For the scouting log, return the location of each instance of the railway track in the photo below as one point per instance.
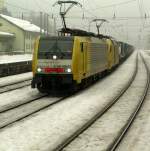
(18, 112)
(72, 137)
(14, 86)
(22, 111)
(6, 117)
(11, 106)
(126, 127)
(7, 127)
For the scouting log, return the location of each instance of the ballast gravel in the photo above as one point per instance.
(46, 129)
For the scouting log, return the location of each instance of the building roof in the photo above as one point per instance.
(6, 34)
(23, 24)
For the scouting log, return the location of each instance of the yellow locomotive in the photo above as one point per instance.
(72, 61)
(74, 58)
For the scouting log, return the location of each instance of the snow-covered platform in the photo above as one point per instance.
(15, 64)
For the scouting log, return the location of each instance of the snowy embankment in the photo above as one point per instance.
(103, 132)
(5, 59)
(138, 137)
(15, 78)
(46, 129)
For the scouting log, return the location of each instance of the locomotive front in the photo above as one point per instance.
(52, 63)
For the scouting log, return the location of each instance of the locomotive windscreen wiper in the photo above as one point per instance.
(55, 47)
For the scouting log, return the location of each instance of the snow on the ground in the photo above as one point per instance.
(48, 128)
(19, 96)
(4, 59)
(22, 111)
(15, 78)
(138, 137)
(102, 133)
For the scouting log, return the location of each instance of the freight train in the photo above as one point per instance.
(74, 59)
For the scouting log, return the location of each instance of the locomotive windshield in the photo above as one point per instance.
(60, 46)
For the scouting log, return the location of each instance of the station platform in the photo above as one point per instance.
(15, 64)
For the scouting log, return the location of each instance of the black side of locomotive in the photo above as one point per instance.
(126, 50)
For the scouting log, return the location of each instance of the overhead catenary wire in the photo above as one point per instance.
(109, 18)
(90, 10)
(113, 5)
(84, 10)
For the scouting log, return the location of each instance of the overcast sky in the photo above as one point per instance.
(131, 8)
(127, 27)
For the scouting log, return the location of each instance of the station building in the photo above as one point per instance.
(17, 35)
(6, 42)
(1, 5)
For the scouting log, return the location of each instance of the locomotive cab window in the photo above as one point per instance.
(62, 47)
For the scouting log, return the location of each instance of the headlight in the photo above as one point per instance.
(39, 69)
(68, 70)
(54, 57)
